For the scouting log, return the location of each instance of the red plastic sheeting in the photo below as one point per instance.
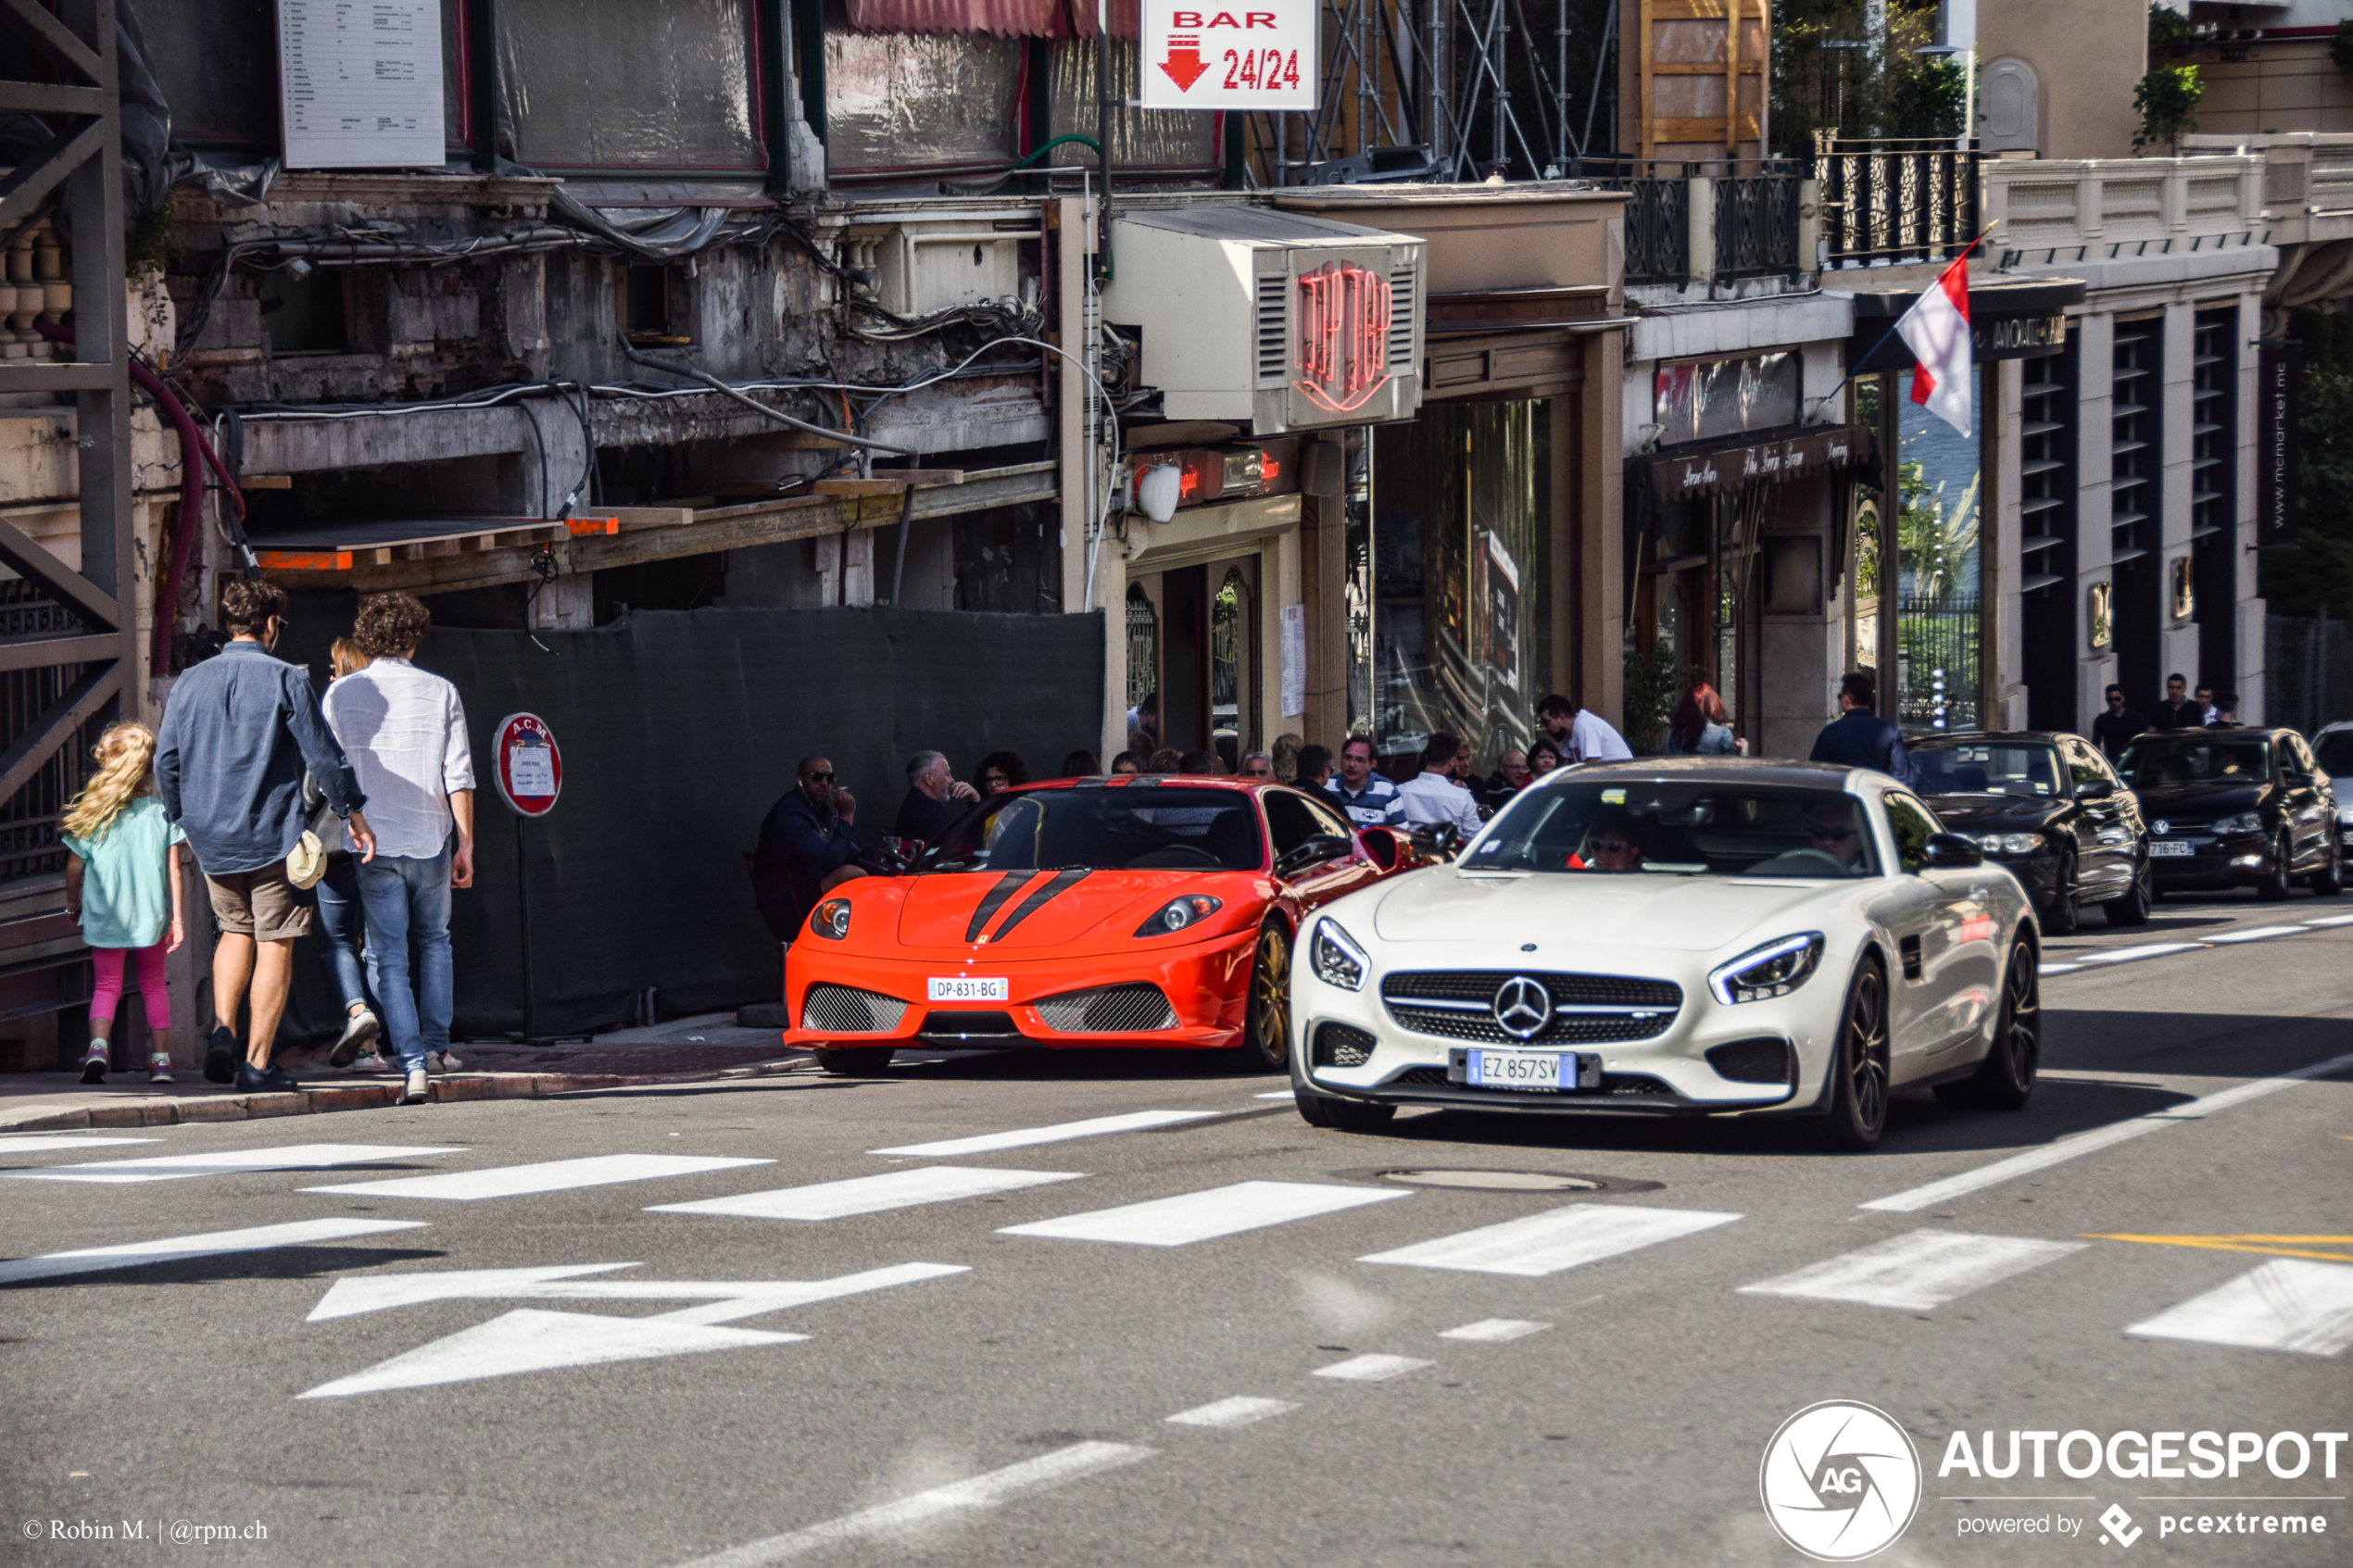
(1006, 18)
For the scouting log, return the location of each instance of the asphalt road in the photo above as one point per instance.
(657, 1391)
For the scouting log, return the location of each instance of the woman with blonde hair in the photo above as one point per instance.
(123, 885)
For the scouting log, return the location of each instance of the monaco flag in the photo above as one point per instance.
(1936, 329)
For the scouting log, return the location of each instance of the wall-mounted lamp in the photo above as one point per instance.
(1158, 491)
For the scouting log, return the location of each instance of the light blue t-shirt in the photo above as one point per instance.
(126, 890)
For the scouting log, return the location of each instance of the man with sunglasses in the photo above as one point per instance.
(1834, 830)
(808, 847)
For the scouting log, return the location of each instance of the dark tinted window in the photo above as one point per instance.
(2025, 767)
(1912, 823)
(2195, 757)
(2335, 752)
(1125, 829)
(1688, 829)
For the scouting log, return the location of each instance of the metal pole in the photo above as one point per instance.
(899, 567)
(523, 909)
(1560, 85)
(1440, 145)
(1102, 144)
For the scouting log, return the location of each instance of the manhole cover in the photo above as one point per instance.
(1498, 1180)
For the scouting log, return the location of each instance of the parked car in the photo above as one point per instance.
(2240, 807)
(1680, 936)
(1133, 912)
(2332, 748)
(2046, 806)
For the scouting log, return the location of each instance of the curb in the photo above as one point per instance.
(166, 1112)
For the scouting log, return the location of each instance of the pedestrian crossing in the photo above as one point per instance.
(871, 1194)
(239, 1161)
(1917, 1272)
(552, 1175)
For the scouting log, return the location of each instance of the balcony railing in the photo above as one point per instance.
(1756, 223)
(1891, 202)
(2056, 210)
(1698, 222)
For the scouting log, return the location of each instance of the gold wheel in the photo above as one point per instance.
(1268, 1034)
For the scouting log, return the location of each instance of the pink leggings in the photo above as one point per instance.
(105, 995)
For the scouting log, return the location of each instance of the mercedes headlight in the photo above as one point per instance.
(1335, 958)
(831, 919)
(2010, 843)
(2246, 821)
(1774, 969)
(1179, 913)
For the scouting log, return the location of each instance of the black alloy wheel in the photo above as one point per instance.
(1344, 1115)
(1267, 1030)
(2066, 912)
(854, 1061)
(2329, 881)
(1859, 1065)
(2278, 877)
(2133, 908)
(2005, 1078)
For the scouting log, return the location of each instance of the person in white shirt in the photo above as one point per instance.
(1437, 794)
(405, 731)
(1581, 734)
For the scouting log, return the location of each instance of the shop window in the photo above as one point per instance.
(621, 85)
(1143, 658)
(1229, 671)
(1709, 398)
(306, 315)
(1141, 140)
(654, 306)
(1940, 636)
(898, 101)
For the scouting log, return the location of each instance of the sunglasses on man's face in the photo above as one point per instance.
(818, 778)
(1834, 835)
(1612, 847)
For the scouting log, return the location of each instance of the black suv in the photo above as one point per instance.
(2237, 807)
(2047, 808)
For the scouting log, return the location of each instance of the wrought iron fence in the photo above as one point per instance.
(1757, 224)
(29, 820)
(1937, 663)
(1895, 201)
(1658, 215)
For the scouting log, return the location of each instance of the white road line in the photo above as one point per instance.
(1279, 1094)
(36, 1143)
(1062, 1132)
(2146, 950)
(1558, 1238)
(1201, 1216)
(554, 1176)
(2258, 933)
(172, 1249)
(2057, 968)
(179, 1167)
(2331, 920)
(1916, 1273)
(530, 1340)
(1240, 1410)
(2288, 1304)
(1059, 1468)
(870, 1195)
(1495, 1331)
(2096, 1139)
(1371, 1369)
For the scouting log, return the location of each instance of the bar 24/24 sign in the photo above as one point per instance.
(1253, 55)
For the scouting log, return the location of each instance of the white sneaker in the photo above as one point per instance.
(420, 1088)
(443, 1061)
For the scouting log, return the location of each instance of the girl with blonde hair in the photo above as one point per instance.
(122, 883)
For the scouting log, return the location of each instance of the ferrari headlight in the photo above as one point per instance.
(1774, 969)
(1335, 958)
(1178, 913)
(2010, 843)
(831, 919)
(2246, 821)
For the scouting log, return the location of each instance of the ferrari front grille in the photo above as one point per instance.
(1339, 1044)
(842, 1010)
(1109, 1009)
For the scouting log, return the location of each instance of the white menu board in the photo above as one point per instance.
(359, 84)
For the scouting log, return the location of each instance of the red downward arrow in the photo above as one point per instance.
(1184, 65)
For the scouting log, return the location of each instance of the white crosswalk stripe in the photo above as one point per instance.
(1916, 1272)
(1240, 1410)
(870, 1195)
(178, 1249)
(2257, 933)
(1060, 1132)
(2287, 1304)
(43, 1143)
(1558, 1238)
(2133, 955)
(180, 1167)
(1201, 1216)
(1371, 1369)
(554, 1176)
(1495, 1331)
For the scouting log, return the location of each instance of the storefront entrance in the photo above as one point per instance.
(1696, 604)
(1194, 657)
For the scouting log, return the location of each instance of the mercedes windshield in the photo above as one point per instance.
(1679, 828)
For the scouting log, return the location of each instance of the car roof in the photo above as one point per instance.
(1981, 737)
(1155, 780)
(1755, 771)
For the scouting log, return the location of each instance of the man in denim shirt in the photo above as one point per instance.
(238, 731)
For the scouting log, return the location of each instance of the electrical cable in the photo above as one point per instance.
(852, 438)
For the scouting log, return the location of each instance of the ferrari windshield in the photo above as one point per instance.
(2198, 757)
(1129, 828)
(1960, 767)
(1679, 828)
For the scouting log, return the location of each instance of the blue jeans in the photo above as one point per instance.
(405, 898)
(339, 923)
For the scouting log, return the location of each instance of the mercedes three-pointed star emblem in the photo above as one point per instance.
(1522, 1007)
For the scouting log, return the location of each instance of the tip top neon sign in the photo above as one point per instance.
(1344, 337)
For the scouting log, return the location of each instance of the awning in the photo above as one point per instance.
(1005, 19)
(1737, 464)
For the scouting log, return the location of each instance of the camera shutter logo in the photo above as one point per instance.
(1839, 1481)
(1522, 1007)
(2119, 1525)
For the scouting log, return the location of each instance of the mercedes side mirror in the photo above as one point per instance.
(1951, 852)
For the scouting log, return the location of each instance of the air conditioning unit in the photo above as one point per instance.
(1277, 319)
(924, 257)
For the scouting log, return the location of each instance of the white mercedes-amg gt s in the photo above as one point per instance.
(1684, 935)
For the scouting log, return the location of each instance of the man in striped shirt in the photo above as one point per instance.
(1371, 800)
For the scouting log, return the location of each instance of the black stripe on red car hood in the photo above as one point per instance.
(1063, 881)
(994, 900)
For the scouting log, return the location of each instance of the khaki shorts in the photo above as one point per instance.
(262, 905)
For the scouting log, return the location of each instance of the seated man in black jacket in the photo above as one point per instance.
(807, 848)
(935, 797)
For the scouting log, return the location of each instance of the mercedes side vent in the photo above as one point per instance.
(1287, 321)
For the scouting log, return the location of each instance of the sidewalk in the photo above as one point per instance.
(709, 1047)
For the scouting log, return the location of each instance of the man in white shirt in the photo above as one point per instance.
(405, 731)
(1581, 734)
(1437, 794)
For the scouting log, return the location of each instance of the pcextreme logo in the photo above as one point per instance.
(1839, 1481)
